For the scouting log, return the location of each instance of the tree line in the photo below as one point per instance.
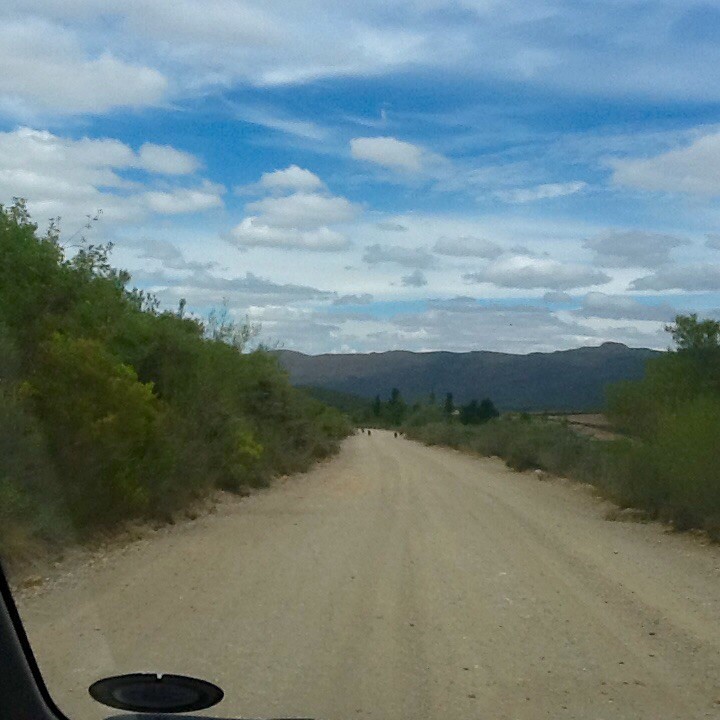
(396, 412)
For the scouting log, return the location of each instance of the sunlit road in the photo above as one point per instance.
(398, 581)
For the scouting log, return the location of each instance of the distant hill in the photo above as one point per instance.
(564, 380)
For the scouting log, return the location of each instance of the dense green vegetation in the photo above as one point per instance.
(669, 465)
(112, 409)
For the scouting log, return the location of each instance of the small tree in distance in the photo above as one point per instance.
(475, 413)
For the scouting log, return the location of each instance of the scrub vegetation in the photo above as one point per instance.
(668, 463)
(112, 409)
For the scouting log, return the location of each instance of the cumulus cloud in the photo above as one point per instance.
(303, 210)
(293, 216)
(622, 307)
(254, 232)
(541, 192)
(416, 257)
(43, 67)
(388, 152)
(69, 178)
(529, 273)
(467, 247)
(291, 178)
(697, 276)
(166, 160)
(690, 169)
(415, 279)
(185, 200)
(633, 248)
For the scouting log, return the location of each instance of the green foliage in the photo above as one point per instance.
(475, 413)
(110, 408)
(102, 426)
(689, 333)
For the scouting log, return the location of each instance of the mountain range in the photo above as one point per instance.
(565, 380)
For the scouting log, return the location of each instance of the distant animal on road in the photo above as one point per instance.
(369, 433)
(395, 434)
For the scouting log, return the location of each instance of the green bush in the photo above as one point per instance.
(675, 476)
(112, 409)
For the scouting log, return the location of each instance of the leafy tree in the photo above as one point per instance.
(488, 411)
(670, 379)
(475, 413)
(692, 334)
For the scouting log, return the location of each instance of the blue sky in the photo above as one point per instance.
(356, 176)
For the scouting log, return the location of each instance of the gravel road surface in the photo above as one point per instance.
(399, 582)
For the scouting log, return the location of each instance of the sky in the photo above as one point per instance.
(367, 176)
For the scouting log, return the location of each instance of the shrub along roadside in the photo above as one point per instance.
(674, 478)
(111, 409)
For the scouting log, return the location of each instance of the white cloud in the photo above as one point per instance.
(681, 277)
(166, 160)
(467, 247)
(291, 178)
(541, 192)
(201, 287)
(70, 178)
(633, 248)
(303, 210)
(167, 254)
(299, 220)
(253, 232)
(690, 169)
(622, 307)
(388, 152)
(185, 200)
(406, 257)
(201, 44)
(415, 279)
(43, 67)
(528, 273)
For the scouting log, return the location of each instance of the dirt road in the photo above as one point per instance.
(398, 581)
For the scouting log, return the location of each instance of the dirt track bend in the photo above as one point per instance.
(399, 581)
